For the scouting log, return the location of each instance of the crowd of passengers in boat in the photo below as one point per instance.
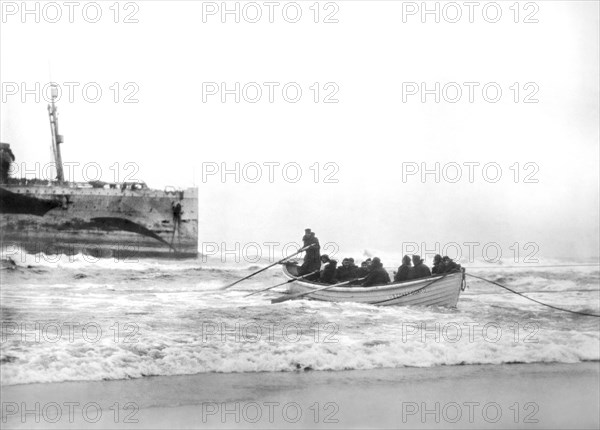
(321, 268)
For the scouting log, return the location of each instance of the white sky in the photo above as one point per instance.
(369, 133)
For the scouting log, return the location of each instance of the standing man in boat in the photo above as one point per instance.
(420, 269)
(312, 260)
(377, 274)
(404, 270)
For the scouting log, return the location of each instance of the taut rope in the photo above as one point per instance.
(534, 300)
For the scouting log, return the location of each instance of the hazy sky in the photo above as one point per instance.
(368, 134)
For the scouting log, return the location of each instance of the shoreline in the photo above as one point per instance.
(540, 395)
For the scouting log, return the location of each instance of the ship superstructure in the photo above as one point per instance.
(98, 218)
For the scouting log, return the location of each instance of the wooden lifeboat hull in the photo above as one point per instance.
(442, 290)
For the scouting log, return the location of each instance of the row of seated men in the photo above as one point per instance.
(371, 271)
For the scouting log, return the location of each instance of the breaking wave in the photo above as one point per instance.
(73, 320)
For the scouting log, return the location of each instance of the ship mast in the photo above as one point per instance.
(57, 139)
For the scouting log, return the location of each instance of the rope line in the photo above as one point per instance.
(534, 300)
(536, 267)
(526, 267)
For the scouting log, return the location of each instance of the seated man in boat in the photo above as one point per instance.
(347, 271)
(327, 275)
(419, 269)
(449, 265)
(364, 268)
(343, 272)
(438, 265)
(312, 260)
(352, 268)
(377, 274)
(403, 271)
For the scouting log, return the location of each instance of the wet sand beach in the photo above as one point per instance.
(474, 396)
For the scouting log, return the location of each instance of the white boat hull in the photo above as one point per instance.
(441, 290)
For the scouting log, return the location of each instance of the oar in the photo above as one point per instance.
(283, 283)
(269, 266)
(297, 296)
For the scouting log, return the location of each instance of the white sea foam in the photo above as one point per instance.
(183, 324)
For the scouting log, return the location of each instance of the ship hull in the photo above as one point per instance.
(69, 219)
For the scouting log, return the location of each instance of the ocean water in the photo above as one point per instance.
(72, 319)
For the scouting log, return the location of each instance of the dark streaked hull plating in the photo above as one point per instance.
(73, 218)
